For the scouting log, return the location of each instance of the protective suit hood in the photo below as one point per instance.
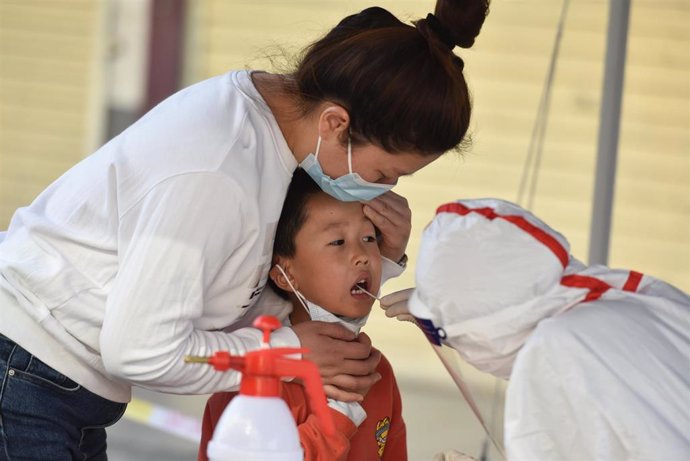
(489, 271)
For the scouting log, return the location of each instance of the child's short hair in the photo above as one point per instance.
(292, 218)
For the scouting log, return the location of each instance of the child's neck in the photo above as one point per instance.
(298, 314)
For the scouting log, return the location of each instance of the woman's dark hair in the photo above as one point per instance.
(402, 85)
(292, 218)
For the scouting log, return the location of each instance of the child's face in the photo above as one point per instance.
(336, 249)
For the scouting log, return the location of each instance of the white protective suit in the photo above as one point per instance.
(598, 359)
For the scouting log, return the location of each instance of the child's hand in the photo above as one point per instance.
(347, 363)
(391, 214)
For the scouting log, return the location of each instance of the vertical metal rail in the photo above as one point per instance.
(609, 129)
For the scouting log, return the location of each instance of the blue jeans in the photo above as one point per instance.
(44, 415)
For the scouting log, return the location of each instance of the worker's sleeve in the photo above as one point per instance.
(172, 244)
(215, 406)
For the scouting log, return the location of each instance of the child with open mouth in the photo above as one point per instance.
(327, 267)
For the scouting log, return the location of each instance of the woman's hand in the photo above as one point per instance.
(347, 364)
(353, 388)
(391, 214)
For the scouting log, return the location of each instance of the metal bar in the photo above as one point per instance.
(609, 129)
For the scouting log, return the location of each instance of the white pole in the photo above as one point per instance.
(609, 127)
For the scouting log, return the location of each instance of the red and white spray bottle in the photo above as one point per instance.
(257, 424)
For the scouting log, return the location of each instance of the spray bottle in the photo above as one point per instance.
(257, 424)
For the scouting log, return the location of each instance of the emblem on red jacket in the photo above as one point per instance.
(382, 428)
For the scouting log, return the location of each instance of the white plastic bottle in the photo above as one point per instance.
(255, 429)
(257, 424)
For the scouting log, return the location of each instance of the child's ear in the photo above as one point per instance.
(278, 276)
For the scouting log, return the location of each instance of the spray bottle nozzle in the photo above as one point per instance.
(196, 359)
(221, 361)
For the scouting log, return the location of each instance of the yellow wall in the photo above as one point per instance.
(50, 109)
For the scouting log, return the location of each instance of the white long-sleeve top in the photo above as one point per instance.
(141, 252)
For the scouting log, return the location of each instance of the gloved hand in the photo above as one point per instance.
(453, 455)
(395, 305)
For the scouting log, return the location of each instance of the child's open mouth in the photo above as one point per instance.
(361, 290)
(360, 287)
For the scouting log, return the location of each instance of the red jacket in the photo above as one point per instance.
(381, 436)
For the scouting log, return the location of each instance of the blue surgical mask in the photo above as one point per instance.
(347, 188)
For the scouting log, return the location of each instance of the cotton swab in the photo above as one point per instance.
(364, 290)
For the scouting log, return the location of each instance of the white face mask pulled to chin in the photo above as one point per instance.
(320, 314)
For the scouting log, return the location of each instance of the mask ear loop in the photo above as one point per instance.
(349, 153)
(316, 154)
(300, 298)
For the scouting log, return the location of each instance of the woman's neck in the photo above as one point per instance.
(300, 131)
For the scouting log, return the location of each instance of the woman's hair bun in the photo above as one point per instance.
(371, 18)
(462, 19)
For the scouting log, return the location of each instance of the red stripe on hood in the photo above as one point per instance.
(633, 281)
(489, 213)
(595, 286)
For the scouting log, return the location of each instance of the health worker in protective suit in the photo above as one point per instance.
(598, 359)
